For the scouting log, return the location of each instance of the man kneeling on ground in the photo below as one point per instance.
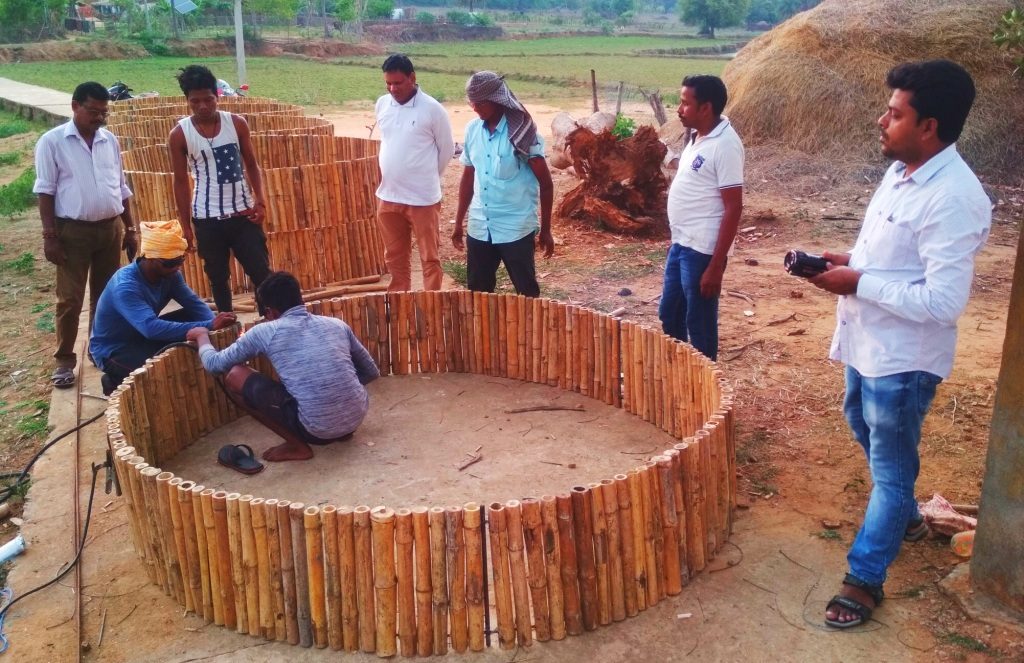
(128, 328)
(321, 363)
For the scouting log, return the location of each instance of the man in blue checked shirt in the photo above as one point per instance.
(504, 175)
(901, 290)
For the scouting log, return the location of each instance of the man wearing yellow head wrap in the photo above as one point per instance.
(128, 328)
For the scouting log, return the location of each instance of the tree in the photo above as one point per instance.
(711, 14)
(1010, 35)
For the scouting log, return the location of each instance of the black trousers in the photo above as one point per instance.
(483, 258)
(217, 239)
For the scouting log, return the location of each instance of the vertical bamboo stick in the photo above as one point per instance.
(424, 590)
(288, 580)
(179, 541)
(266, 605)
(279, 628)
(651, 474)
(604, 599)
(438, 579)
(583, 524)
(202, 550)
(695, 532)
(385, 579)
(212, 554)
(670, 524)
(502, 581)
(237, 568)
(175, 586)
(223, 556)
(349, 583)
(680, 506)
(651, 576)
(474, 574)
(364, 579)
(315, 573)
(455, 545)
(627, 540)
(552, 556)
(332, 575)
(611, 514)
(569, 567)
(250, 564)
(520, 584)
(301, 566)
(405, 572)
(533, 531)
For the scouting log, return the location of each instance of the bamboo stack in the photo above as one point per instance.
(415, 581)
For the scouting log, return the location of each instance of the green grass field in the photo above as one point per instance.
(547, 68)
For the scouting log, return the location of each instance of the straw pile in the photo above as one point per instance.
(816, 83)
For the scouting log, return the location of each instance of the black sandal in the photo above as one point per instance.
(916, 531)
(239, 457)
(862, 611)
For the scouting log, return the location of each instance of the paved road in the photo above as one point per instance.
(36, 101)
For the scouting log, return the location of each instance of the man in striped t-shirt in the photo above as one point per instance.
(226, 210)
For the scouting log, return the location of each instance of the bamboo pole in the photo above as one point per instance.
(349, 584)
(364, 579)
(569, 568)
(266, 605)
(650, 574)
(628, 541)
(520, 584)
(611, 515)
(202, 550)
(332, 575)
(288, 581)
(315, 573)
(237, 569)
(301, 567)
(533, 532)
(552, 566)
(279, 626)
(424, 590)
(475, 571)
(213, 554)
(438, 579)
(405, 572)
(680, 506)
(651, 475)
(455, 545)
(695, 532)
(582, 514)
(385, 579)
(604, 598)
(179, 542)
(223, 556)
(670, 525)
(169, 551)
(502, 581)
(250, 564)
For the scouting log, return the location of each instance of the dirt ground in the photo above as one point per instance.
(798, 464)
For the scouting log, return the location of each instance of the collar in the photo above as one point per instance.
(409, 104)
(500, 127)
(295, 311)
(719, 128)
(930, 167)
(71, 129)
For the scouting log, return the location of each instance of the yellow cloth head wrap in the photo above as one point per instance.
(162, 239)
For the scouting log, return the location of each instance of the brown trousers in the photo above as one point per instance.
(93, 254)
(398, 223)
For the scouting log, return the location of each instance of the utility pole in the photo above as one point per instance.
(239, 43)
(174, 18)
(996, 568)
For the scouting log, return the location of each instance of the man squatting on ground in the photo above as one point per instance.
(321, 363)
(704, 206)
(902, 288)
(227, 212)
(503, 172)
(129, 328)
(415, 147)
(82, 191)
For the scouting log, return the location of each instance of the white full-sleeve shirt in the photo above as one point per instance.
(916, 254)
(416, 146)
(87, 184)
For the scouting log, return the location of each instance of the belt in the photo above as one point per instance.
(233, 215)
(62, 218)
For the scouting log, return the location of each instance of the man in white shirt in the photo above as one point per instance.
(902, 288)
(704, 206)
(82, 192)
(416, 146)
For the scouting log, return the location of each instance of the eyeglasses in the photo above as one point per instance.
(171, 263)
(96, 112)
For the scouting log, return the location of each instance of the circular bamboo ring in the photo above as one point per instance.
(417, 581)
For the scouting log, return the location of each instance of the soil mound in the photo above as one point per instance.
(332, 49)
(816, 83)
(71, 49)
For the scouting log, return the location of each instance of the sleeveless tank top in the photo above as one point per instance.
(217, 170)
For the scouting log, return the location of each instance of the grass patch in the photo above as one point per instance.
(17, 196)
(551, 292)
(456, 269)
(9, 158)
(18, 490)
(14, 126)
(45, 323)
(579, 45)
(829, 535)
(965, 642)
(23, 264)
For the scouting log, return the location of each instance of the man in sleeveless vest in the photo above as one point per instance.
(225, 206)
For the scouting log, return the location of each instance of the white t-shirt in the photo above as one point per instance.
(695, 207)
(415, 147)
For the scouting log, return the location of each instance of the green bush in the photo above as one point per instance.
(17, 196)
(469, 19)
(379, 8)
(624, 127)
(23, 264)
(10, 158)
(425, 17)
(14, 127)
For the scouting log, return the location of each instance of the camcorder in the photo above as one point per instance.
(804, 265)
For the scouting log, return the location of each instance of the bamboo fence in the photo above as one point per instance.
(420, 581)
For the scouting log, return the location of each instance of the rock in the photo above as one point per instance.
(752, 262)
(599, 121)
(831, 524)
(625, 292)
(796, 294)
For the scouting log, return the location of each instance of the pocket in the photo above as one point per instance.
(508, 167)
(927, 384)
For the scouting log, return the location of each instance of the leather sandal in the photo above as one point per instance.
(916, 531)
(239, 457)
(862, 611)
(63, 378)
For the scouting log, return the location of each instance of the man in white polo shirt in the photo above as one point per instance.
(82, 191)
(902, 288)
(704, 206)
(416, 146)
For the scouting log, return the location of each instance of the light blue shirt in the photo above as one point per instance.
(505, 190)
(916, 254)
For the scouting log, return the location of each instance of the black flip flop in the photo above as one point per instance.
(239, 457)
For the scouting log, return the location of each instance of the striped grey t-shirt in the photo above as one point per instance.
(319, 361)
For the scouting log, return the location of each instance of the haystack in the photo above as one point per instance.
(816, 83)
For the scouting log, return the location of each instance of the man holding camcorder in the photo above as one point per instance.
(902, 288)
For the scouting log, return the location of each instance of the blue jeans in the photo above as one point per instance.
(885, 415)
(684, 314)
